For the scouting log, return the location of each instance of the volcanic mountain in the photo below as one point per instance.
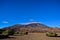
(31, 27)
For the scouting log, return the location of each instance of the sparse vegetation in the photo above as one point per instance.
(11, 32)
(51, 34)
(34, 36)
(6, 33)
(24, 33)
(34, 33)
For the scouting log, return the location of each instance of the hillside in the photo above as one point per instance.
(32, 27)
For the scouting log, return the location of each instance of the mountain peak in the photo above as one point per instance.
(30, 23)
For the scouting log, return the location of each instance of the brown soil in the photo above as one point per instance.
(33, 36)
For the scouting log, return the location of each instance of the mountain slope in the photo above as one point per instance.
(32, 27)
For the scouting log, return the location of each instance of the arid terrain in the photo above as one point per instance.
(33, 36)
(36, 31)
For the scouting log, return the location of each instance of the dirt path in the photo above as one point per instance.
(35, 36)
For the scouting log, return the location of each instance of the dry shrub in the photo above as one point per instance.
(24, 33)
(51, 34)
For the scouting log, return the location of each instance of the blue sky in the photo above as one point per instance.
(25, 11)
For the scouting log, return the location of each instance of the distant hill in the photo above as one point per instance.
(32, 27)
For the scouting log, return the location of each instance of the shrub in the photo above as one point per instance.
(11, 32)
(51, 34)
(24, 33)
(16, 32)
(4, 34)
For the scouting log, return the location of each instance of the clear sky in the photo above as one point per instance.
(24, 11)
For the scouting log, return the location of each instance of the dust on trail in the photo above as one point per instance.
(34, 36)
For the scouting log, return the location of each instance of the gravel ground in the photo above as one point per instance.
(33, 36)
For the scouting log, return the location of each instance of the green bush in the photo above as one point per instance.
(11, 32)
(24, 33)
(4, 34)
(51, 34)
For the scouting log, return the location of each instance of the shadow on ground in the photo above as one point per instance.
(7, 37)
(55, 36)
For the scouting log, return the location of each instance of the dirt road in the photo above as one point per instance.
(34, 36)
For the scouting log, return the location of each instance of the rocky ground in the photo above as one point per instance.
(33, 36)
